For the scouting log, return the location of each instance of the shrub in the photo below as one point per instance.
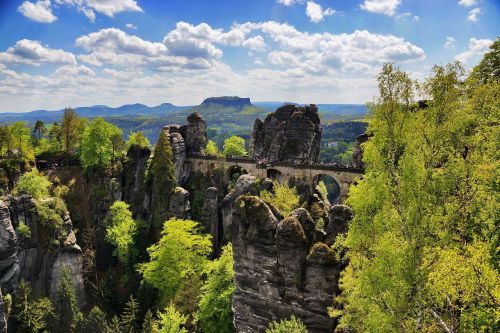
(284, 198)
(292, 325)
(34, 183)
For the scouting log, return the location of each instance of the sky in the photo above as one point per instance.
(59, 53)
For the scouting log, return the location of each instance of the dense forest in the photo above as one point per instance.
(421, 254)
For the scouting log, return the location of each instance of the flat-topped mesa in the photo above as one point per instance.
(228, 101)
(292, 133)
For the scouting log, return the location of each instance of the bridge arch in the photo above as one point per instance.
(324, 182)
(274, 174)
(234, 172)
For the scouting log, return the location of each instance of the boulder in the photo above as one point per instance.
(195, 134)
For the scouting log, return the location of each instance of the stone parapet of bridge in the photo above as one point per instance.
(280, 171)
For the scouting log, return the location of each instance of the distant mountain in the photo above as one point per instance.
(227, 101)
(95, 111)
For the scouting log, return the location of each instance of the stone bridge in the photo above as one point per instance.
(281, 171)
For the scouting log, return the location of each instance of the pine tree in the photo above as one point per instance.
(95, 322)
(148, 326)
(67, 315)
(114, 326)
(128, 322)
(163, 176)
(32, 315)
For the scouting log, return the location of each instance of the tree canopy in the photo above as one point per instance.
(98, 148)
(181, 252)
(121, 230)
(234, 146)
(422, 245)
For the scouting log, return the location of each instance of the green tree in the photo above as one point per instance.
(32, 315)
(211, 148)
(171, 321)
(120, 231)
(71, 130)
(234, 146)
(283, 197)
(420, 244)
(138, 139)
(95, 322)
(489, 67)
(34, 183)
(97, 145)
(181, 252)
(148, 325)
(67, 315)
(162, 172)
(215, 314)
(292, 325)
(39, 131)
(128, 321)
(20, 140)
(55, 136)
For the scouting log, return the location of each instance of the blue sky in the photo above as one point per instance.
(57, 53)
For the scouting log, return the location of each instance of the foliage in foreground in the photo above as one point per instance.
(181, 252)
(214, 313)
(34, 183)
(292, 325)
(423, 244)
(283, 197)
(121, 230)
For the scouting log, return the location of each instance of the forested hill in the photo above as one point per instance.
(226, 115)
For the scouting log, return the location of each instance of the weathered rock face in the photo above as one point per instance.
(187, 139)
(33, 259)
(195, 134)
(280, 269)
(246, 184)
(210, 217)
(357, 151)
(179, 204)
(179, 151)
(133, 184)
(338, 219)
(291, 133)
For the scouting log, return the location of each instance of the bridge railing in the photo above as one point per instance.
(266, 163)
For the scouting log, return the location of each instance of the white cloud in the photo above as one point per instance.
(111, 39)
(467, 3)
(316, 13)
(31, 52)
(386, 7)
(450, 43)
(477, 47)
(106, 7)
(188, 65)
(287, 2)
(131, 26)
(39, 11)
(405, 15)
(255, 43)
(473, 14)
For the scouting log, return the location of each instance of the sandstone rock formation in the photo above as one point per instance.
(357, 151)
(291, 133)
(134, 190)
(32, 258)
(280, 269)
(195, 134)
(210, 216)
(190, 138)
(179, 204)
